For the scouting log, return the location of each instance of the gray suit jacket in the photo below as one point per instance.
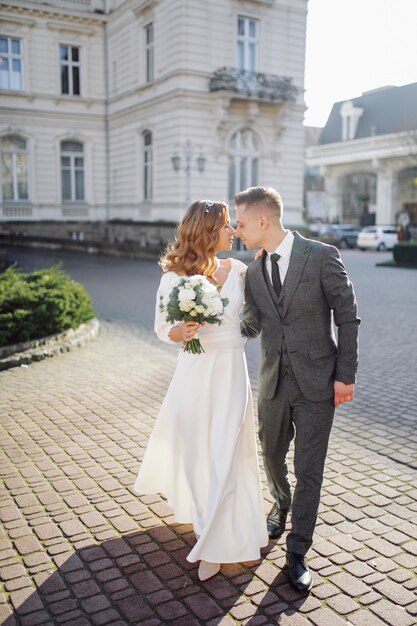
(315, 292)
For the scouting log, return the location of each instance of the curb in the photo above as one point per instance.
(39, 349)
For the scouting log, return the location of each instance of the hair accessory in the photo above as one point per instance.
(208, 206)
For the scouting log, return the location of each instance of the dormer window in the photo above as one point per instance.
(350, 118)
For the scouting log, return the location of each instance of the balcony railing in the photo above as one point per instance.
(254, 84)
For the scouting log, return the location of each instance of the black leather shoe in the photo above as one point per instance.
(299, 573)
(275, 522)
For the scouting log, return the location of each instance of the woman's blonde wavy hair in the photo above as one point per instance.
(192, 252)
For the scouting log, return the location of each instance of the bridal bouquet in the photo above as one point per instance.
(193, 299)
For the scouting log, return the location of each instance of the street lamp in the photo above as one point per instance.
(188, 149)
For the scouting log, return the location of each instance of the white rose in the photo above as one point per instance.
(186, 294)
(195, 280)
(186, 305)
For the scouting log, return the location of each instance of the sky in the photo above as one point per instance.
(355, 46)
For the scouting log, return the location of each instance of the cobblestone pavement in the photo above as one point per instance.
(78, 547)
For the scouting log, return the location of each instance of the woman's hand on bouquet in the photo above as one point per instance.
(189, 329)
(184, 332)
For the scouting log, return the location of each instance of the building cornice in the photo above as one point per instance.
(18, 19)
(287, 5)
(378, 146)
(140, 7)
(20, 10)
(60, 26)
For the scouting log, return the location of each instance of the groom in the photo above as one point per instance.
(293, 293)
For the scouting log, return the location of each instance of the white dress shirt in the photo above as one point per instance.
(284, 250)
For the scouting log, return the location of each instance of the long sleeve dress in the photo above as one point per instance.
(202, 451)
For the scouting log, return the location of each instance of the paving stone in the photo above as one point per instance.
(17, 583)
(13, 571)
(170, 611)
(359, 569)
(47, 531)
(243, 611)
(325, 591)
(392, 614)
(146, 582)
(34, 619)
(349, 584)
(342, 605)
(263, 599)
(325, 617)
(25, 601)
(395, 592)
(95, 603)
(203, 606)
(383, 547)
(26, 545)
(123, 523)
(365, 618)
(91, 520)
(406, 560)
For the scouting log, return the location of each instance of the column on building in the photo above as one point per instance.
(386, 194)
(333, 209)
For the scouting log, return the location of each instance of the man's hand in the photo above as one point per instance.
(343, 393)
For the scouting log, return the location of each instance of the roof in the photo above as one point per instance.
(385, 110)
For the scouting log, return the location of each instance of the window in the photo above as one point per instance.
(14, 169)
(70, 70)
(247, 43)
(350, 119)
(72, 171)
(147, 166)
(243, 161)
(11, 64)
(149, 53)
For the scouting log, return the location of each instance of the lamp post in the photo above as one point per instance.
(188, 149)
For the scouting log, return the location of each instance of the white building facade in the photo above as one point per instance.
(367, 156)
(130, 110)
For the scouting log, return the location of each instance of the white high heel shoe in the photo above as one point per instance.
(206, 570)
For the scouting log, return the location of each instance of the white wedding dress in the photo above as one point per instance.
(202, 451)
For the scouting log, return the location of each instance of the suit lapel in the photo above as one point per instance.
(299, 254)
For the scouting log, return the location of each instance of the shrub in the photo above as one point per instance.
(39, 304)
(405, 253)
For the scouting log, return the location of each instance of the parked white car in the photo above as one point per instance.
(377, 238)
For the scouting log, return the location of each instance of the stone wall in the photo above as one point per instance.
(128, 239)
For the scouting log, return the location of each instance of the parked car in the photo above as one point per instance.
(377, 237)
(341, 235)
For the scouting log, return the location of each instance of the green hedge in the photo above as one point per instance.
(39, 304)
(405, 253)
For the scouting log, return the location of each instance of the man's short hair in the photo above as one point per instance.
(261, 195)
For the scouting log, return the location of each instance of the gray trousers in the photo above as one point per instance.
(286, 414)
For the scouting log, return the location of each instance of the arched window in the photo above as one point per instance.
(147, 165)
(14, 169)
(243, 161)
(72, 171)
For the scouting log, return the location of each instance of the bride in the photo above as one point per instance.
(202, 451)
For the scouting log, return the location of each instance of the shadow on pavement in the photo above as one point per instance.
(145, 577)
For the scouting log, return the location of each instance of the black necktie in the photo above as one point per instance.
(276, 280)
